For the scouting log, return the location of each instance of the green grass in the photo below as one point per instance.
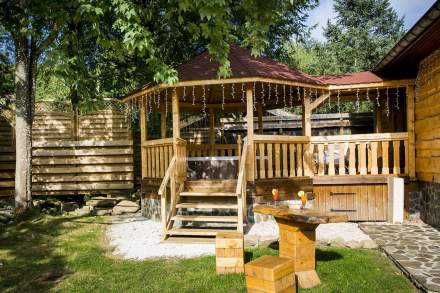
(69, 254)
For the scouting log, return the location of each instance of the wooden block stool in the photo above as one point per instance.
(229, 252)
(270, 274)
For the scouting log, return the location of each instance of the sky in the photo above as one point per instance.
(412, 10)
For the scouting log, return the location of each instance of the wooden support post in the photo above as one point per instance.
(307, 116)
(307, 131)
(163, 124)
(176, 114)
(250, 133)
(260, 118)
(212, 130)
(378, 128)
(144, 137)
(411, 134)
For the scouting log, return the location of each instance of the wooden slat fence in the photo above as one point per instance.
(92, 155)
(7, 158)
(52, 126)
(82, 166)
(103, 125)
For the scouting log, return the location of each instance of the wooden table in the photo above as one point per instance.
(297, 237)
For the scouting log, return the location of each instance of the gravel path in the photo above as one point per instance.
(325, 233)
(135, 237)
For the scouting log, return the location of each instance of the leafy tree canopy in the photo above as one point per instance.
(106, 48)
(362, 32)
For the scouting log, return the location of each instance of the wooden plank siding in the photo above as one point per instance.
(7, 158)
(99, 161)
(361, 202)
(427, 120)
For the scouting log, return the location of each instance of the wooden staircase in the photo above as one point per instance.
(206, 207)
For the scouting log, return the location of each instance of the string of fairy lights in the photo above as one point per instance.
(278, 94)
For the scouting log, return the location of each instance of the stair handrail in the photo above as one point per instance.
(240, 190)
(169, 176)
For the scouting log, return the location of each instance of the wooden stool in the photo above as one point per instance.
(270, 274)
(297, 242)
(229, 252)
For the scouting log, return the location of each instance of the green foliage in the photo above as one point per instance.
(362, 33)
(109, 48)
(6, 66)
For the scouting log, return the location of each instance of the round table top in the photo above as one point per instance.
(308, 216)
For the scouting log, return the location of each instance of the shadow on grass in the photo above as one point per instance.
(321, 254)
(327, 255)
(29, 254)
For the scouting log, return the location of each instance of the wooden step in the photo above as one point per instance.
(197, 231)
(192, 240)
(196, 218)
(211, 185)
(203, 193)
(206, 205)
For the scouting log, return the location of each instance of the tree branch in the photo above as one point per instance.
(49, 40)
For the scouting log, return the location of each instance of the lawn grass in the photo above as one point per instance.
(69, 254)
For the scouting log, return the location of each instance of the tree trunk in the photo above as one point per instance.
(24, 86)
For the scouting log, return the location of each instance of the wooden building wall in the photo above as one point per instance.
(7, 158)
(89, 154)
(427, 119)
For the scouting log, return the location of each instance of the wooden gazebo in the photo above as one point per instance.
(346, 173)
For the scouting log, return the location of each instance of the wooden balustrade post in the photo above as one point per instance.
(144, 137)
(239, 146)
(260, 118)
(212, 131)
(250, 133)
(410, 153)
(163, 124)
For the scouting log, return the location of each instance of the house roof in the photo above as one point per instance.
(351, 78)
(418, 43)
(243, 64)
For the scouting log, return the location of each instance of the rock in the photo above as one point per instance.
(250, 240)
(369, 244)
(4, 220)
(69, 206)
(126, 206)
(101, 201)
(353, 244)
(84, 211)
(101, 212)
(266, 240)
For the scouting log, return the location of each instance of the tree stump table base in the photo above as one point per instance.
(297, 230)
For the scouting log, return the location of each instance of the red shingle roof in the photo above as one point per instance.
(351, 78)
(243, 64)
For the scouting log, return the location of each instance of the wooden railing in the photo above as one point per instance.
(281, 156)
(158, 156)
(208, 150)
(163, 189)
(242, 187)
(181, 159)
(361, 154)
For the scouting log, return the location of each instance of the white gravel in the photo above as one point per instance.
(135, 237)
(337, 232)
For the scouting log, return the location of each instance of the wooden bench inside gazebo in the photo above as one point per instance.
(346, 173)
